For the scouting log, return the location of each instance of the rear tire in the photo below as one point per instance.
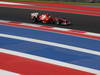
(57, 22)
(67, 23)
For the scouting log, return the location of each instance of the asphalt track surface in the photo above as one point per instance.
(80, 22)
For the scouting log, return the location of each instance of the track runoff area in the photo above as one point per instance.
(26, 51)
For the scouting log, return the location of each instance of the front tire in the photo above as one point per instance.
(34, 20)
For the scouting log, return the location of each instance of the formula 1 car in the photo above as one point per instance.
(47, 19)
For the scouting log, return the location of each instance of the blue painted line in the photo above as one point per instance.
(53, 37)
(52, 52)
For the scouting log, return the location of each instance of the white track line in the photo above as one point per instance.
(52, 44)
(11, 3)
(6, 21)
(61, 29)
(94, 34)
(50, 61)
(4, 72)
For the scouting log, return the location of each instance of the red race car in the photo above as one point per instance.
(47, 19)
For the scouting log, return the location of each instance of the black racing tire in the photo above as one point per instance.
(57, 22)
(34, 20)
(68, 23)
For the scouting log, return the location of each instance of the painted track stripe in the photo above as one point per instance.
(26, 66)
(52, 44)
(54, 29)
(52, 9)
(50, 61)
(53, 37)
(61, 5)
(52, 52)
